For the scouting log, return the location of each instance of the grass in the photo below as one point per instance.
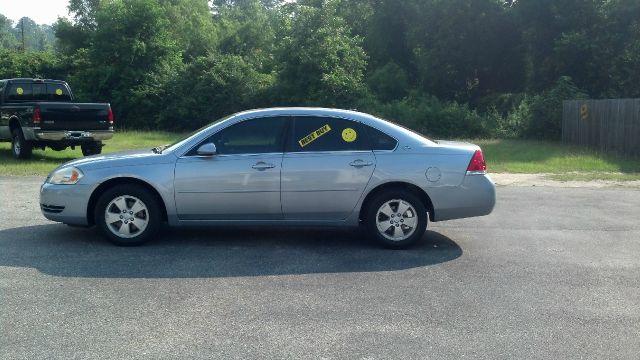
(503, 156)
(42, 162)
(565, 162)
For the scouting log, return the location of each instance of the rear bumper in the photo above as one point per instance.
(475, 197)
(65, 203)
(73, 136)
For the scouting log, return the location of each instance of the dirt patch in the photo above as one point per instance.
(502, 179)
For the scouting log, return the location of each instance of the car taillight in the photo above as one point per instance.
(36, 116)
(110, 115)
(477, 166)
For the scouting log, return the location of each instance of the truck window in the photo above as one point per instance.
(58, 92)
(19, 92)
(37, 92)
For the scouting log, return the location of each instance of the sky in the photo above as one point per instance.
(41, 11)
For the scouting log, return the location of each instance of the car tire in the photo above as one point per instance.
(383, 224)
(20, 147)
(92, 148)
(116, 208)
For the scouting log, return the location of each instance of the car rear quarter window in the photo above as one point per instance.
(255, 136)
(380, 140)
(313, 133)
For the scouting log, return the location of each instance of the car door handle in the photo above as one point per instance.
(360, 163)
(263, 166)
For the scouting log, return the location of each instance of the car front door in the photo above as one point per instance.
(325, 169)
(241, 181)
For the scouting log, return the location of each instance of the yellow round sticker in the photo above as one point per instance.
(20, 91)
(349, 135)
(58, 92)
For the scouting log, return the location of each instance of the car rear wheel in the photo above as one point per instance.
(92, 148)
(20, 148)
(128, 215)
(397, 219)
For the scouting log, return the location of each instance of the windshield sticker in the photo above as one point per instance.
(20, 91)
(349, 135)
(59, 92)
(314, 136)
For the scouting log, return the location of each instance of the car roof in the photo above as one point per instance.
(311, 111)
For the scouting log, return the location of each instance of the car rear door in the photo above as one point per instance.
(325, 169)
(240, 182)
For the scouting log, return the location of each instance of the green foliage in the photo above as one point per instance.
(389, 82)
(210, 88)
(320, 62)
(448, 68)
(433, 117)
(132, 57)
(36, 37)
(44, 65)
(545, 110)
(7, 38)
(538, 116)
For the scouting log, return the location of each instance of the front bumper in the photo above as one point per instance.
(80, 136)
(65, 203)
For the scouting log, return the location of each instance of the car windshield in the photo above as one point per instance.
(170, 147)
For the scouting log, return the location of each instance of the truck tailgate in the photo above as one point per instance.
(71, 116)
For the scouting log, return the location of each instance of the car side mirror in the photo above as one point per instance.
(208, 149)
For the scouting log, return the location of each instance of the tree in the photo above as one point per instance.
(321, 62)
(7, 38)
(131, 59)
(248, 28)
(191, 26)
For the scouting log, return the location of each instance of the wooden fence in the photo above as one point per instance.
(604, 125)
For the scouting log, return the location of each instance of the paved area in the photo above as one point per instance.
(553, 274)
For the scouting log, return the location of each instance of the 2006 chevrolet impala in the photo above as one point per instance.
(285, 166)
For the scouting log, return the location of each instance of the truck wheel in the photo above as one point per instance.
(20, 148)
(92, 148)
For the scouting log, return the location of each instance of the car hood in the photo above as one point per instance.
(123, 158)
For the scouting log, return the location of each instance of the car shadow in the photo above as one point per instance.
(59, 250)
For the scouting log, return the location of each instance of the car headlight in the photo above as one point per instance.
(65, 176)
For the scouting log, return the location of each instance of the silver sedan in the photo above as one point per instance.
(283, 166)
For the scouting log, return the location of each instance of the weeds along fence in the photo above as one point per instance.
(604, 125)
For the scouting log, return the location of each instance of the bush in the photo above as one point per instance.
(535, 117)
(544, 118)
(432, 117)
(212, 87)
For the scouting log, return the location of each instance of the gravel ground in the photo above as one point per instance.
(502, 179)
(553, 273)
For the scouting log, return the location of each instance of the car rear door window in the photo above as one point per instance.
(256, 136)
(313, 133)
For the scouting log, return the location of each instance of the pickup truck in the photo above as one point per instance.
(36, 113)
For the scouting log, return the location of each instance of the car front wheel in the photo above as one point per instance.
(128, 215)
(396, 219)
